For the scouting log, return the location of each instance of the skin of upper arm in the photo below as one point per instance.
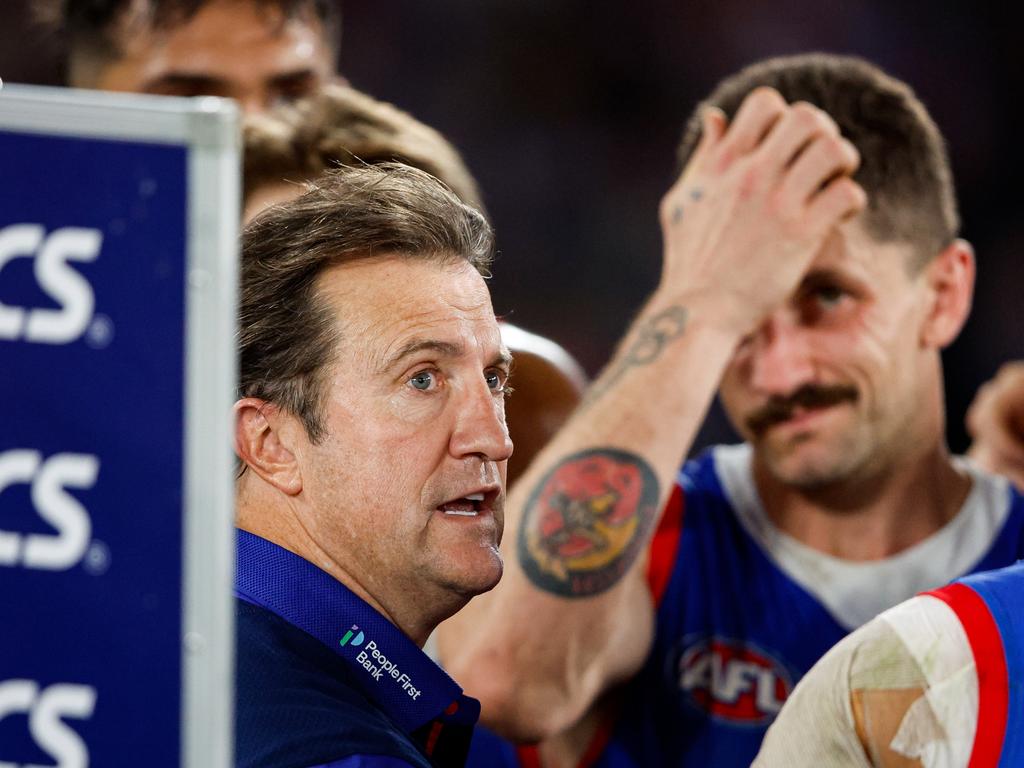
(877, 716)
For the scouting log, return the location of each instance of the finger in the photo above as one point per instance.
(757, 114)
(980, 409)
(713, 127)
(824, 158)
(792, 133)
(841, 199)
(993, 431)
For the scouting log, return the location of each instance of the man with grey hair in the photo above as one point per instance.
(370, 426)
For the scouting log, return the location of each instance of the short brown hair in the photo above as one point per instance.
(904, 166)
(287, 333)
(342, 126)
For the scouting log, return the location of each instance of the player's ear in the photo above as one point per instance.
(950, 280)
(265, 441)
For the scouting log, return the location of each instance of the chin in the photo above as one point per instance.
(807, 477)
(809, 466)
(477, 573)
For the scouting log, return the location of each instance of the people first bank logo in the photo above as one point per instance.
(53, 255)
(377, 665)
(731, 680)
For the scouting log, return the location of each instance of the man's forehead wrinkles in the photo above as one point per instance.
(415, 345)
(449, 338)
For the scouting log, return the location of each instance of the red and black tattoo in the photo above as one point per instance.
(587, 521)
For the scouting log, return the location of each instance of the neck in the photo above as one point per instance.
(874, 515)
(270, 516)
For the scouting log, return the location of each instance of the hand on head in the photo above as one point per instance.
(754, 204)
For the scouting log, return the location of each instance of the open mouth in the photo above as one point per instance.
(465, 506)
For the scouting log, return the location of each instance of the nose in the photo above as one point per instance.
(779, 357)
(253, 104)
(480, 428)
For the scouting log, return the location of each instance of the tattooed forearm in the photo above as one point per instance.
(647, 343)
(587, 521)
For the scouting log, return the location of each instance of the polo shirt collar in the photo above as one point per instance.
(389, 668)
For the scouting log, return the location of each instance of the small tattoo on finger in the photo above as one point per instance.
(677, 214)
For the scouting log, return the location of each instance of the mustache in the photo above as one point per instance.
(809, 396)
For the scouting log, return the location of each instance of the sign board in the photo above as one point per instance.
(118, 254)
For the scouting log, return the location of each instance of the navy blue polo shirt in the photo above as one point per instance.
(324, 681)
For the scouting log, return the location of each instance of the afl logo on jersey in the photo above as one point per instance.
(732, 681)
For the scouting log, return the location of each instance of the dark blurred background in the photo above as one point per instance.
(568, 112)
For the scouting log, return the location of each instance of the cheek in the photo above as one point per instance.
(399, 454)
(883, 349)
(410, 411)
(731, 388)
(734, 396)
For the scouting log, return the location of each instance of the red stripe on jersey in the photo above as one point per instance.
(990, 662)
(598, 743)
(665, 545)
(528, 756)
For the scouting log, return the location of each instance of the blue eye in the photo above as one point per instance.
(495, 379)
(422, 381)
(829, 296)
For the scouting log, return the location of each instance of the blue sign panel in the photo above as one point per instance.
(93, 237)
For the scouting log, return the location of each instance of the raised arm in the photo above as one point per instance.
(572, 614)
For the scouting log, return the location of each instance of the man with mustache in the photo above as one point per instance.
(370, 426)
(650, 617)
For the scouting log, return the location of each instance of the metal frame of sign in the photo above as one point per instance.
(208, 127)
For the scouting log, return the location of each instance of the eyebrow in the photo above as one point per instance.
(295, 76)
(185, 80)
(442, 348)
(199, 80)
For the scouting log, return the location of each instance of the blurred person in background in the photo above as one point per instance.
(613, 641)
(260, 53)
(337, 125)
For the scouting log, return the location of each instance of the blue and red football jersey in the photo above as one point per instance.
(990, 607)
(744, 611)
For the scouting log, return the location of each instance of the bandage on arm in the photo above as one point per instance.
(900, 692)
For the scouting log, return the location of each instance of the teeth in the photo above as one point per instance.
(475, 497)
(461, 513)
